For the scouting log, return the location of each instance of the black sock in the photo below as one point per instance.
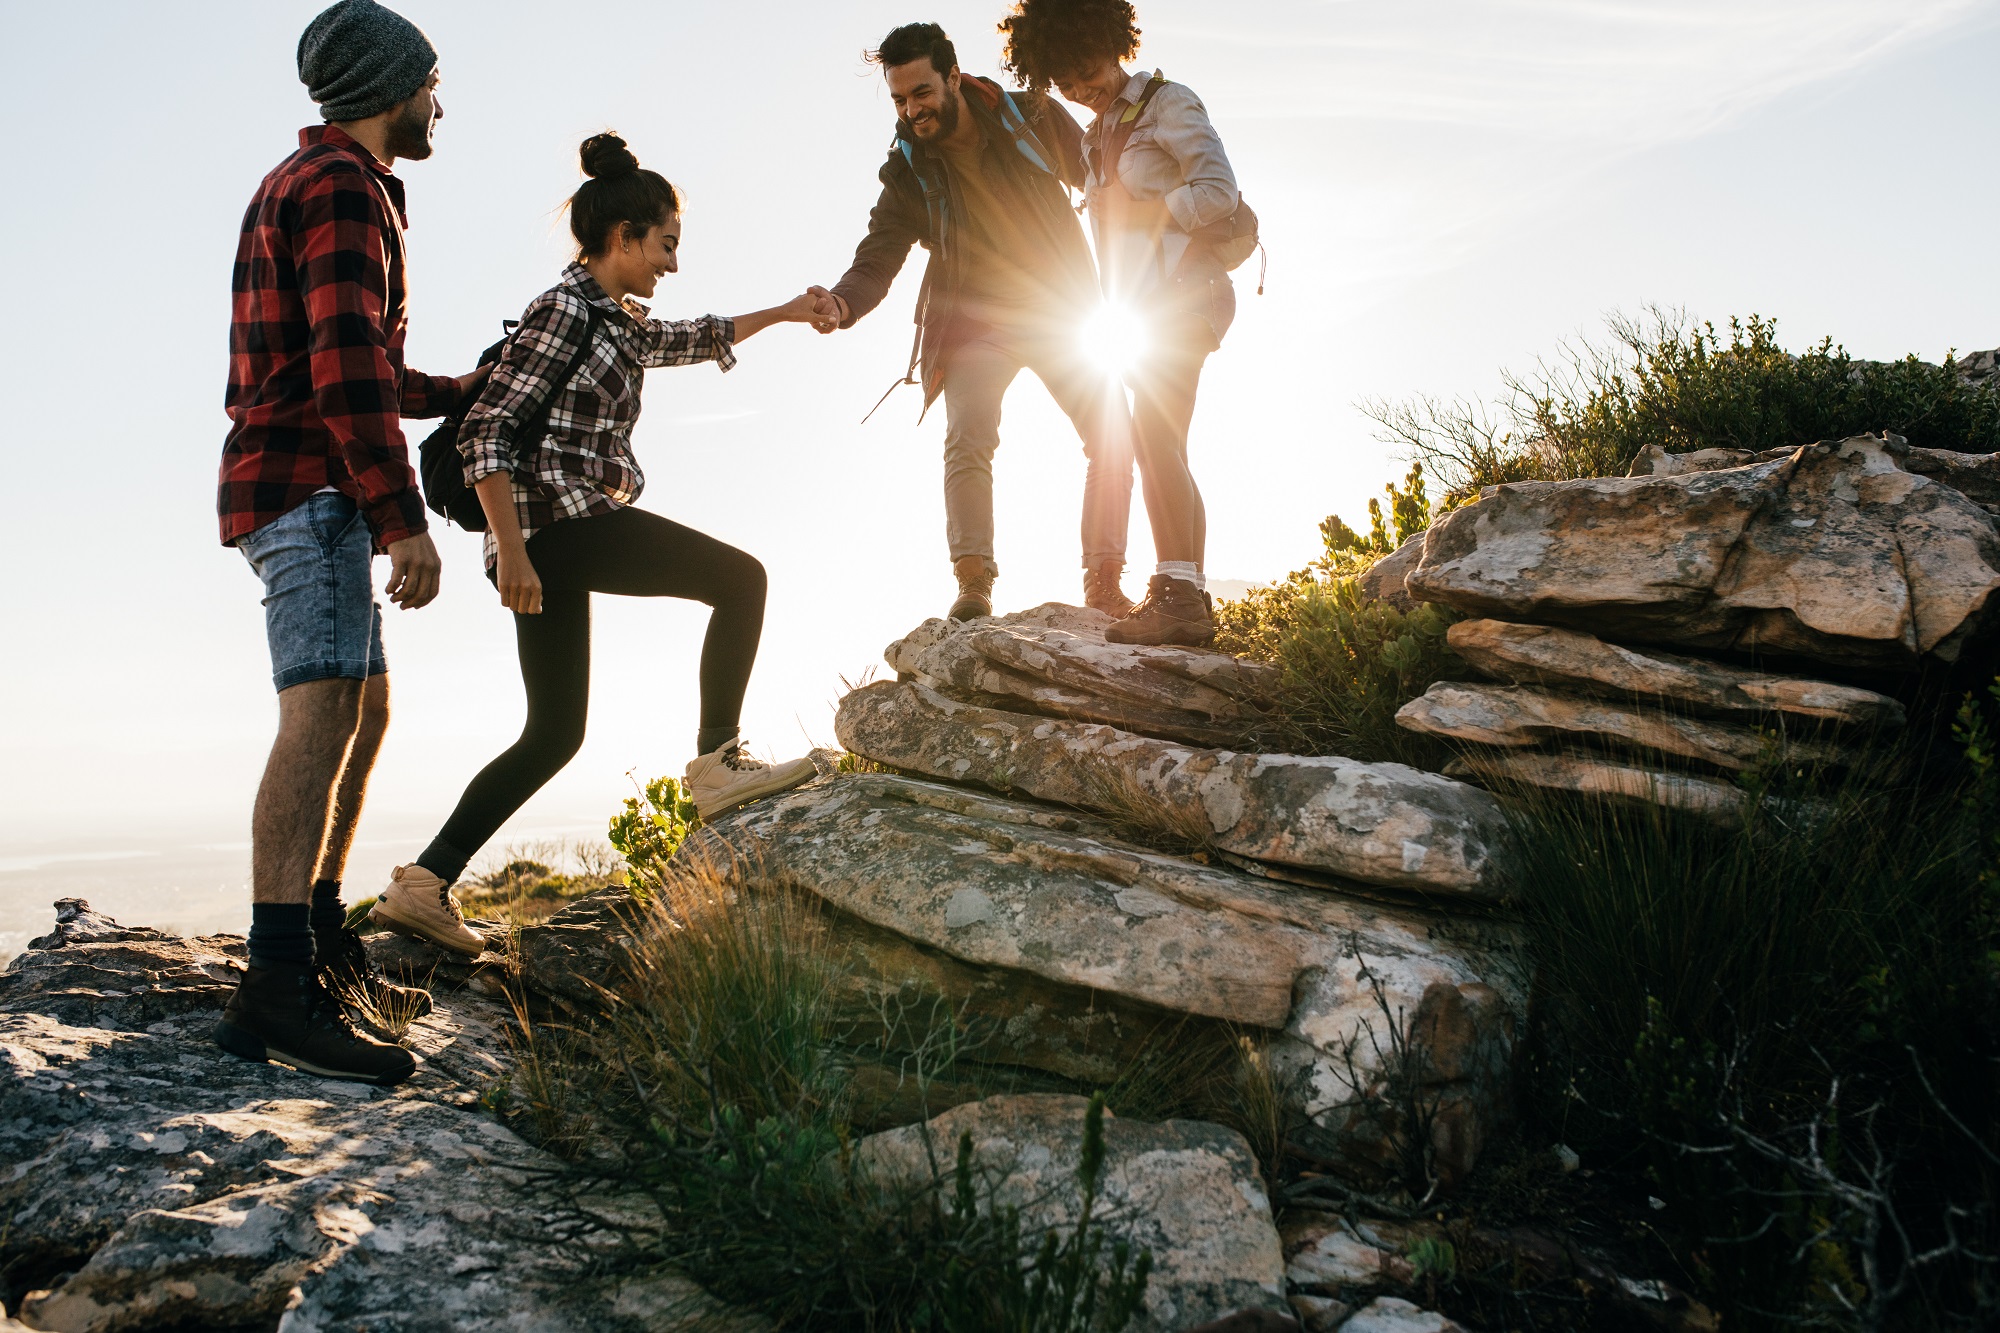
(280, 935)
(329, 913)
(444, 860)
(710, 739)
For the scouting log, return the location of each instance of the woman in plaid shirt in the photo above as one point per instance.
(560, 522)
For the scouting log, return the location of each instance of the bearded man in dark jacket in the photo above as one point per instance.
(980, 178)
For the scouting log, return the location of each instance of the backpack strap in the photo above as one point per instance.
(1111, 147)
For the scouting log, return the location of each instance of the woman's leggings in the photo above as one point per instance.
(630, 553)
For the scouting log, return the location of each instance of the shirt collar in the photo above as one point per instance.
(1135, 88)
(588, 287)
(335, 137)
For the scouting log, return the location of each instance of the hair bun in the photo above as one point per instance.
(605, 155)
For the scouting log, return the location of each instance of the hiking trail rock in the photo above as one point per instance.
(1837, 554)
(156, 1181)
(1053, 660)
(1187, 1191)
(1381, 824)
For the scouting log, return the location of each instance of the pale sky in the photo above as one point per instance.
(1445, 188)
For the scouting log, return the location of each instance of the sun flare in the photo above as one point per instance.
(1113, 338)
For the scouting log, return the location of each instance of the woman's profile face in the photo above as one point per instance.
(642, 258)
(1095, 84)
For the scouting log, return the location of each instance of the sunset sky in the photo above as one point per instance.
(1446, 189)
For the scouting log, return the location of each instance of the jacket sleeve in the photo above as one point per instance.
(896, 223)
(1207, 192)
(341, 255)
(522, 380)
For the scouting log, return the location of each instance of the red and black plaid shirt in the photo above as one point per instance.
(316, 378)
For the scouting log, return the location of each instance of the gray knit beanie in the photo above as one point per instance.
(358, 59)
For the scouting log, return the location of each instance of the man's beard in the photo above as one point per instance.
(947, 121)
(410, 133)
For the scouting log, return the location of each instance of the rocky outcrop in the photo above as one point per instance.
(1836, 554)
(1022, 889)
(1186, 1192)
(1380, 824)
(1590, 775)
(155, 1183)
(1545, 655)
(1384, 580)
(1053, 660)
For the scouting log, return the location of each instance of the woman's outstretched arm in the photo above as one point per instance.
(801, 309)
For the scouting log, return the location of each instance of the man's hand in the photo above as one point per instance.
(472, 381)
(414, 569)
(514, 575)
(829, 311)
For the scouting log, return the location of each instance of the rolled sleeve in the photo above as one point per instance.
(1208, 192)
(688, 342)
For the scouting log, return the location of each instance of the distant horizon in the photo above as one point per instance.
(1447, 189)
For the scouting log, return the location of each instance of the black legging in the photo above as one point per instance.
(633, 554)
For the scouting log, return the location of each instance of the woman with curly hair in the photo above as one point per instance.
(1159, 186)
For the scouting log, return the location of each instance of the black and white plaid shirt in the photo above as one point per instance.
(584, 464)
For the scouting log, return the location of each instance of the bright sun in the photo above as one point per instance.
(1114, 338)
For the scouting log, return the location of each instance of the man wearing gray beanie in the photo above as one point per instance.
(316, 479)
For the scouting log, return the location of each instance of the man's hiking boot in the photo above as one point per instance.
(975, 587)
(1173, 611)
(725, 778)
(419, 903)
(1102, 593)
(369, 995)
(286, 1013)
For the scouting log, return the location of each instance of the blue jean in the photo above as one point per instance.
(320, 613)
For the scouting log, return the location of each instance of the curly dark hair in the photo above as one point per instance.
(1051, 39)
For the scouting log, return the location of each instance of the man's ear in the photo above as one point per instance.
(951, 80)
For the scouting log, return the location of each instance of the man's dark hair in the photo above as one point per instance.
(916, 41)
(1052, 39)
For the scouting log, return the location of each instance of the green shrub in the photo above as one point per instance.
(1668, 381)
(648, 833)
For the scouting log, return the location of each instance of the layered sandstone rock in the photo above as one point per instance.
(1186, 1192)
(1835, 554)
(1053, 660)
(1381, 824)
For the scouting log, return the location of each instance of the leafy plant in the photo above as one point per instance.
(651, 828)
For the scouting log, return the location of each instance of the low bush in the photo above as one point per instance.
(1666, 380)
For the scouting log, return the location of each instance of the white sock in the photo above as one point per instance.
(1183, 570)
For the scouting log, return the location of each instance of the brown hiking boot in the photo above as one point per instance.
(1102, 593)
(286, 1013)
(360, 984)
(975, 587)
(1173, 611)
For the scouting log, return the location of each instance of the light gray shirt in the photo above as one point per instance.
(1173, 155)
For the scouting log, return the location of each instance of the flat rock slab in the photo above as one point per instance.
(1382, 824)
(1053, 660)
(1594, 776)
(1519, 717)
(1547, 655)
(155, 1181)
(1023, 888)
(1186, 1191)
(1837, 554)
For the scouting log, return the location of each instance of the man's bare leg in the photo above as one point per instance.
(352, 790)
(317, 722)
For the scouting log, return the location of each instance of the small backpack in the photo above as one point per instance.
(439, 462)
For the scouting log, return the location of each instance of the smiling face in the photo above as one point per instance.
(1096, 87)
(926, 101)
(635, 261)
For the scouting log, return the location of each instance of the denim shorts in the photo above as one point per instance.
(320, 613)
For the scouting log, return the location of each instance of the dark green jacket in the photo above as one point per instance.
(900, 220)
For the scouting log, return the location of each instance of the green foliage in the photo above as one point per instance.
(648, 834)
(1409, 514)
(1668, 381)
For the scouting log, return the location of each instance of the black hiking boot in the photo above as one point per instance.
(286, 1013)
(360, 985)
(1102, 593)
(1172, 611)
(975, 587)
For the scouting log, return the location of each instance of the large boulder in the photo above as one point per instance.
(155, 1182)
(1025, 890)
(1053, 660)
(1520, 716)
(1836, 554)
(1546, 655)
(1187, 1192)
(1382, 824)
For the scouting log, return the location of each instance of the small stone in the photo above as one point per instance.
(1567, 1158)
(1392, 1314)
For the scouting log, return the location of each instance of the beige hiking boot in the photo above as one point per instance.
(975, 575)
(419, 903)
(723, 779)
